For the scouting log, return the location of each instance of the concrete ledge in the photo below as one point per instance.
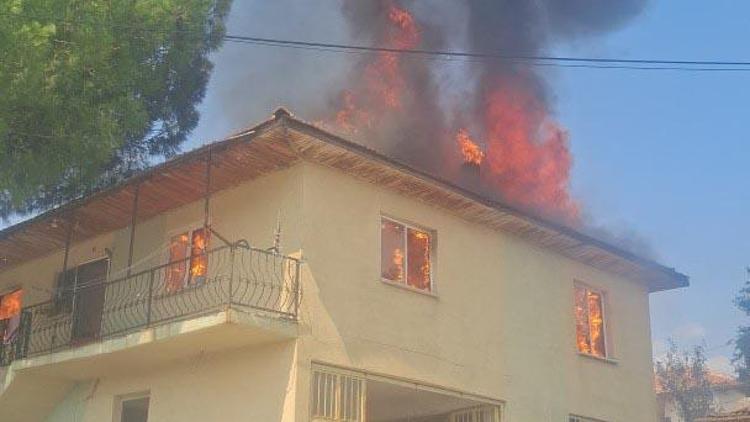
(31, 387)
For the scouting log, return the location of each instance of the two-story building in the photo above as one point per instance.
(287, 274)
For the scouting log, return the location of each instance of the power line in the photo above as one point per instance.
(454, 55)
(623, 63)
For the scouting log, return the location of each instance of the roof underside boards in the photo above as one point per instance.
(279, 143)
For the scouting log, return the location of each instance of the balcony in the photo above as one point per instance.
(239, 283)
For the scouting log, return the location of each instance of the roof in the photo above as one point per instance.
(741, 415)
(718, 381)
(279, 143)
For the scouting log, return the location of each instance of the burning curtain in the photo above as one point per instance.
(178, 246)
(10, 315)
(392, 251)
(197, 245)
(198, 256)
(589, 313)
(405, 255)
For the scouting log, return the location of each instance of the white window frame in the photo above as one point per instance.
(119, 400)
(167, 258)
(605, 325)
(498, 407)
(476, 414)
(578, 418)
(337, 405)
(432, 291)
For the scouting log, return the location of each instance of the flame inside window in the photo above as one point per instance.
(418, 247)
(198, 255)
(392, 251)
(406, 255)
(10, 315)
(178, 247)
(589, 315)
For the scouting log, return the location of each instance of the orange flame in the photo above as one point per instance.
(527, 152)
(10, 304)
(419, 259)
(525, 155)
(596, 324)
(469, 149)
(383, 86)
(589, 322)
(398, 263)
(198, 257)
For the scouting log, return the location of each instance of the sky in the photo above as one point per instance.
(660, 156)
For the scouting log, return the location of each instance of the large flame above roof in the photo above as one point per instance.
(521, 152)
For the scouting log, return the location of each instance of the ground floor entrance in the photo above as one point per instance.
(351, 396)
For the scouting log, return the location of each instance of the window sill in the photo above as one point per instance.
(409, 288)
(610, 361)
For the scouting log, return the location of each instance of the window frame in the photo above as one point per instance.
(187, 278)
(337, 403)
(59, 300)
(432, 291)
(4, 323)
(603, 295)
(120, 399)
(579, 418)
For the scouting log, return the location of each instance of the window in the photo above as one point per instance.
(574, 418)
(90, 273)
(178, 249)
(477, 414)
(406, 254)
(188, 259)
(337, 397)
(10, 315)
(132, 409)
(589, 313)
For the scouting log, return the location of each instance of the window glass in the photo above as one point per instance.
(418, 247)
(582, 419)
(589, 314)
(134, 410)
(405, 255)
(392, 250)
(10, 315)
(178, 247)
(198, 256)
(596, 323)
(337, 397)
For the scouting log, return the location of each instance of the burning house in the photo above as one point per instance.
(287, 273)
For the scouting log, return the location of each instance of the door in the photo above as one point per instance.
(88, 300)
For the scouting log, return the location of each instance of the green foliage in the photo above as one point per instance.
(742, 342)
(93, 90)
(683, 377)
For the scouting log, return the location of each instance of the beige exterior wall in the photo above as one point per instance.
(500, 324)
(244, 385)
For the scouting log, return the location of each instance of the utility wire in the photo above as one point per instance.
(454, 55)
(736, 65)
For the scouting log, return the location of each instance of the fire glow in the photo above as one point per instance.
(383, 86)
(522, 154)
(470, 151)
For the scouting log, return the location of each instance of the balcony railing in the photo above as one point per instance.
(238, 276)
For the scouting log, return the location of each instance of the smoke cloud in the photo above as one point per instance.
(426, 111)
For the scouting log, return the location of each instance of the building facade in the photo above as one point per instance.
(286, 274)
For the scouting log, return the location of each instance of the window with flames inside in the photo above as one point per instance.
(188, 259)
(10, 316)
(590, 328)
(406, 255)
